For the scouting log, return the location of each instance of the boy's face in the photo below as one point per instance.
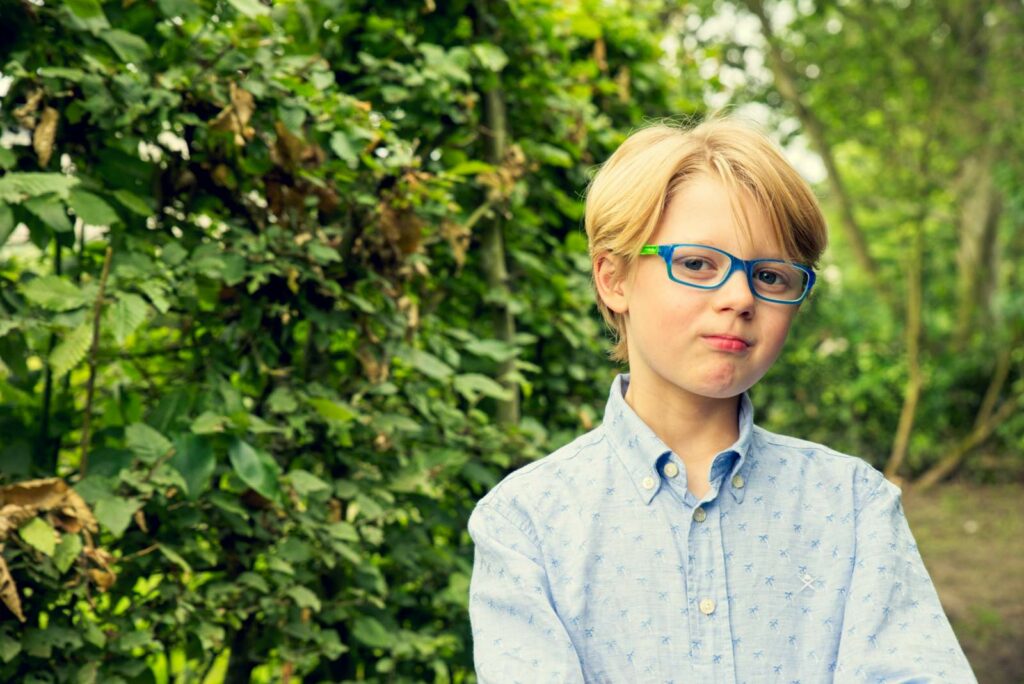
(685, 341)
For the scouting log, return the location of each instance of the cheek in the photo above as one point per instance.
(775, 335)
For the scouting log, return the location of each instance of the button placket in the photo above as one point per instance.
(707, 589)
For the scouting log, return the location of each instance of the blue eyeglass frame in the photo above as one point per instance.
(735, 264)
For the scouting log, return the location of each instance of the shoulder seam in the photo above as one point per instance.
(522, 526)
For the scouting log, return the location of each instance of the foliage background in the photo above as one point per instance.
(285, 289)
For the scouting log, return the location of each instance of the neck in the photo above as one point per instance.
(696, 428)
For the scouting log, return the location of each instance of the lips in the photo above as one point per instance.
(728, 342)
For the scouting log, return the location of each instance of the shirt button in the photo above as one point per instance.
(700, 515)
(738, 481)
(671, 469)
(707, 606)
(647, 482)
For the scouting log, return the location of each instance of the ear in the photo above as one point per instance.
(611, 281)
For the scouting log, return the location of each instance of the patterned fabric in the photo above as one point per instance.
(596, 564)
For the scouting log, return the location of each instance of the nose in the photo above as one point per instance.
(735, 294)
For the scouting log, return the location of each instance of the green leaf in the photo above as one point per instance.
(473, 385)
(490, 56)
(253, 469)
(549, 154)
(209, 423)
(471, 168)
(50, 210)
(54, 293)
(175, 558)
(157, 293)
(7, 222)
(178, 8)
(17, 187)
(146, 442)
(333, 411)
(38, 534)
(115, 513)
(67, 73)
(68, 550)
(250, 8)
(128, 46)
(493, 349)
(304, 598)
(10, 646)
(343, 147)
(343, 531)
(89, 13)
(193, 458)
(306, 482)
(133, 203)
(372, 633)
(92, 208)
(127, 314)
(72, 349)
(429, 365)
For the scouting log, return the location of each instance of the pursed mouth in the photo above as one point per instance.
(728, 342)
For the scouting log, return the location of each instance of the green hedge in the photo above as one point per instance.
(292, 396)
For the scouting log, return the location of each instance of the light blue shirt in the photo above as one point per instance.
(597, 564)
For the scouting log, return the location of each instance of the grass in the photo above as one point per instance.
(972, 540)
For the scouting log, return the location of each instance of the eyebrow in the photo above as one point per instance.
(705, 243)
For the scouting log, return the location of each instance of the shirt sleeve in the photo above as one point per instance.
(517, 634)
(894, 628)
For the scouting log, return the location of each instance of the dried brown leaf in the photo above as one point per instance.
(100, 557)
(41, 494)
(23, 500)
(402, 228)
(25, 115)
(601, 54)
(45, 134)
(244, 106)
(458, 238)
(102, 578)
(74, 514)
(9, 590)
(12, 517)
(140, 520)
(289, 149)
(235, 117)
(622, 83)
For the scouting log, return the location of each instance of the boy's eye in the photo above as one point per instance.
(773, 278)
(695, 263)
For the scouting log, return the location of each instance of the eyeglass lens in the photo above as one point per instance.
(709, 268)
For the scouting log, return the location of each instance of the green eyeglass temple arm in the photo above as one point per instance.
(649, 249)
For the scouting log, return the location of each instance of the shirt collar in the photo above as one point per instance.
(643, 453)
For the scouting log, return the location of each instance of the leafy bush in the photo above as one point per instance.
(275, 391)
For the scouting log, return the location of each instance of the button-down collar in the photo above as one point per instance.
(641, 451)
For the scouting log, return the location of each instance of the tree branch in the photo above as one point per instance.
(90, 386)
(979, 434)
(785, 82)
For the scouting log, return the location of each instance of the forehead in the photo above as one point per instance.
(703, 210)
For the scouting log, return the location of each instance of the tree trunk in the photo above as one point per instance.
(912, 393)
(976, 260)
(785, 83)
(492, 244)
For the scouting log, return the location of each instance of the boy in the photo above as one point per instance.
(678, 542)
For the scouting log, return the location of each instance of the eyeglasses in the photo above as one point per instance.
(708, 268)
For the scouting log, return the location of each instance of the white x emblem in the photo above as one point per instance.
(808, 582)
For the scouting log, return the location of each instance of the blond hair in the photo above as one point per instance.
(629, 194)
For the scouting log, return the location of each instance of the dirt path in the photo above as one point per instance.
(972, 541)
